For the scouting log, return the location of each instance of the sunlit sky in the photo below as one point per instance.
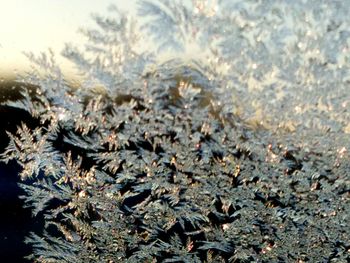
(36, 25)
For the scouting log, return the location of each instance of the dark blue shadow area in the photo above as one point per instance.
(15, 221)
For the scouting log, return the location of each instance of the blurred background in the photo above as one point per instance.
(38, 25)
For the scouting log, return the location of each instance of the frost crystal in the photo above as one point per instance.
(209, 131)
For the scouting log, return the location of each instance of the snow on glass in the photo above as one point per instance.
(219, 84)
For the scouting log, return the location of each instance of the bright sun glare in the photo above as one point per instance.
(35, 26)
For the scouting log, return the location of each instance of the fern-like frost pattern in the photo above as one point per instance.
(164, 157)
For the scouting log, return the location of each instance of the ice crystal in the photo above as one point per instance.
(238, 154)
